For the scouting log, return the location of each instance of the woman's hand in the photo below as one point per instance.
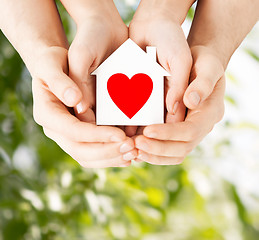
(100, 31)
(168, 144)
(156, 24)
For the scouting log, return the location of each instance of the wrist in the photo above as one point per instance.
(34, 54)
(174, 10)
(83, 10)
(211, 51)
(214, 49)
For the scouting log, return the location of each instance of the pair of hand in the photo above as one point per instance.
(100, 146)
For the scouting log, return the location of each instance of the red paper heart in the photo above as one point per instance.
(130, 95)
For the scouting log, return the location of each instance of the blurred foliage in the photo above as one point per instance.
(46, 195)
(252, 54)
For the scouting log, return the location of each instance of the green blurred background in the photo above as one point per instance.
(214, 194)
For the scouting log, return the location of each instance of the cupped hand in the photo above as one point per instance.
(99, 33)
(169, 143)
(92, 146)
(152, 27)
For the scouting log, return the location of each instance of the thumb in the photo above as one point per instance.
(51, 68)
(64, 88)
(199, 89)
(205, 74)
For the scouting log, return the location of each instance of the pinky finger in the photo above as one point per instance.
(158, 160)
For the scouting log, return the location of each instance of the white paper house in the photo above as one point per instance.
(130, 59)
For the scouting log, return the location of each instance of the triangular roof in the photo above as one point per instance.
(130, 49)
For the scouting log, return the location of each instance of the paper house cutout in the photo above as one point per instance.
(130, 60)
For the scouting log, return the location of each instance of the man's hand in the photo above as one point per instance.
(168, 144)
(92, 146)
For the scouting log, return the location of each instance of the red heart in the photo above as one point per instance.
(130, 95)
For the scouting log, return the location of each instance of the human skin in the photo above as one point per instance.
(98, 35)
(157, 23)
(213, 38)
(100, 31)
(35, 30)
(222, 33)
(169, 143)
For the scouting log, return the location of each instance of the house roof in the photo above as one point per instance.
(127, 52)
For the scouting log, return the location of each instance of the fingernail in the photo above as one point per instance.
(175, 108)
(194, 98)
(79, 108)
(143, 156)
(128, 156)
(125, 148)
(143, 146)
(70, 96)
(151, 134)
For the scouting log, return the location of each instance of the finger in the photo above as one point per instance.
(176, 86)
(137, 160)
(80, 61)
(130, 155)
(212, 109)
(197, 124)
(131, 130)
(115, 162)
(140, 130)
(177, 60)
(64, 89)
(123, 165)
(181, 131)
(84, 161)
(178, 116)
(50, 113)
(206, 72)
(53, 73)
(93, 151)
(85, 54)
(163, 148)
(174, 55)
(159, 160)
(87, 116)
